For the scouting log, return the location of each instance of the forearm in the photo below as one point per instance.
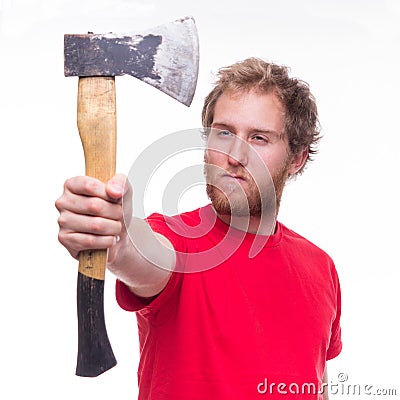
(142, 259)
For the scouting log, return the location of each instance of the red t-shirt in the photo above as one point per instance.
(249, 328)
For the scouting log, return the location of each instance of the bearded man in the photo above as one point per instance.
(218, 316)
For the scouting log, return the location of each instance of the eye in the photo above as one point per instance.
(224, 132)
(260, 139)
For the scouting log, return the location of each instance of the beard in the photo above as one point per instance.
(255, 199)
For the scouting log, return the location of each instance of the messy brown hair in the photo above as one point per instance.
(301, 116)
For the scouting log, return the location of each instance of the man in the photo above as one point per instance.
(230, 303)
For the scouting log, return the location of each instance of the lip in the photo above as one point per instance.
(236, 177)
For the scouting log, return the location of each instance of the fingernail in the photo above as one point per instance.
(117, 188)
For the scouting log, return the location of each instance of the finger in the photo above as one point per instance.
(71, 222)
(84, 205)
(126, 203)
(86, 186)
(116, 186)
(77, 242)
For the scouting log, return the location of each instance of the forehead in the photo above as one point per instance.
(249, 107)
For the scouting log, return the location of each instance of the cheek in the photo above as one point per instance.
(274, 158)
(267, 166)
(214, 157)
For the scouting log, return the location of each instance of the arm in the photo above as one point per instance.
(91, 217)
(142, 259)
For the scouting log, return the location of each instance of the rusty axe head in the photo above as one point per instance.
(166, 57)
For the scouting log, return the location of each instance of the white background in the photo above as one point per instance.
(346, 202)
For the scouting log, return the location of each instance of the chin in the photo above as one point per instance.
(237, 207)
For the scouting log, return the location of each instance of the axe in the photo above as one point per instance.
(167, 58)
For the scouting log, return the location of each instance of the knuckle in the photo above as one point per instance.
(96, 226)
(61, 221)
(57, 204)
(95, 206)
(89, 242)
(61, 237)
(60, 203)
(69, 184)
(90, 186)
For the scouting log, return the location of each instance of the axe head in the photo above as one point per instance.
(166, 57)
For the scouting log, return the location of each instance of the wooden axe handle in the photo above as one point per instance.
(97, 129)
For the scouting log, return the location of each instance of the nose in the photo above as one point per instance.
(238, 152)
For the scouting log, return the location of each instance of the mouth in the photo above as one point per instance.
(239, 178)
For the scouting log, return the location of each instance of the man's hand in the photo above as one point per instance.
(91, 213)
(91, 217)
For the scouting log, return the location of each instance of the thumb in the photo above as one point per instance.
(115, 187)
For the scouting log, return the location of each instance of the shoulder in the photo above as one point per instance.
(179, 229)
(317, 259)
(301, 245)
(295, 238)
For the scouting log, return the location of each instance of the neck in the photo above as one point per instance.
(265, 225)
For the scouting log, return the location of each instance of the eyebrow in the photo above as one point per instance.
(225, 125)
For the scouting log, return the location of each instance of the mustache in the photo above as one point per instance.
(211, 170)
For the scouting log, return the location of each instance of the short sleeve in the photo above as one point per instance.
(126, 299)
(170, 227)
(335, 344)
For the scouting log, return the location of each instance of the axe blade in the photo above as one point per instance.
(166, 57)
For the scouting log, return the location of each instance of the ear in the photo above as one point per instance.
(298, 161)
